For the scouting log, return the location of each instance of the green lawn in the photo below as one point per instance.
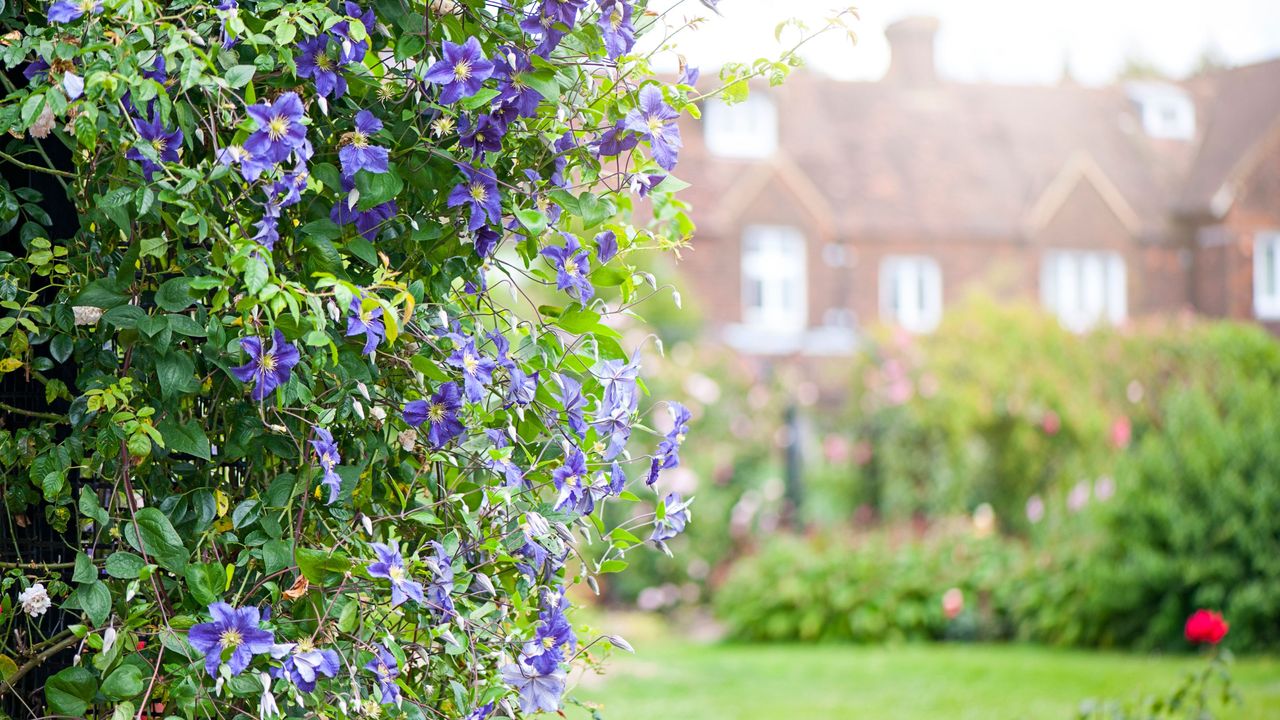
(670, 679)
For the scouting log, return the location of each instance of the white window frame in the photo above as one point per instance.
(1167, 111)
(1266, 260)
(1085, 287)
(774, 268)
(911, 292)
(745, 130)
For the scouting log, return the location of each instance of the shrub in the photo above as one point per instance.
(883, 586)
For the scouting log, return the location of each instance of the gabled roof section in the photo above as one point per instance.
(1081, 168)
(1242, 111)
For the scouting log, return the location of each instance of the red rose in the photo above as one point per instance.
(1206, 626)
(142, 644)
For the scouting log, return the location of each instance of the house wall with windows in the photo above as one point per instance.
(825, 208)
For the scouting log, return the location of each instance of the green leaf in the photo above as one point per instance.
(186, 438)
(70, 691)
(595, 210)
(154, 534)
(613, 566)
(85, 572)
(256, 276)
(89, 507)
(578, 319)
(207, 582)
(7, 667)
(174, 295)
(184, 325)
(60, 347)
(544, 82)
(176, 373)
(124, 565)
(277, 555)
(377, 188)
(104, 294)
(125, 682)
(320, 567)
(533, 220)
(480, 99)
(94, 598)
(240, 75)
(364, 250)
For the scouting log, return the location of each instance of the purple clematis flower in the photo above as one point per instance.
(385, 667)
(514, 94)
(486, 241)
(251, 168)
(689, 76)
(618, 379)
(614, 422)
(314, 62)
(606, 246)
(233, 638)
(352, 51)
(390, 565)
(539, 691)
(368, 222)
(669, 448)
(616, 140)
(229, 7)
(65, 11)
(280, 130)
(304, 664)
(523, 386)
(356, 153)
(165, 143)
(482, 135)
(368, 323)
(655, 120)
(461, 72)
(571, 398)
(440, 591)
(270, 369)
(328, 457)
(572, 267)
(674, 520)
(574, 483)
(480, 192)
(616, 28)
(477, 370)
(481, 713)
(441, 414)
(513, 475)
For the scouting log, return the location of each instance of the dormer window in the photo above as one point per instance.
(748, 129)
(1166, 111)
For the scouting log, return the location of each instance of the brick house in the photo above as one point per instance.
(825, 207)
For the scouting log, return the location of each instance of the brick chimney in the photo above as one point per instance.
(911, 47)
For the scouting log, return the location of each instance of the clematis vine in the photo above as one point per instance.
(368, 323)
(315, 63)
(616, 28)
(65, 11)
(232, 639)
(477, 370)
(304, 664)
(268, 369)
(674, 519)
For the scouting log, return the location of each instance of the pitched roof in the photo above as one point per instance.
(946, 160)
(1240, 109)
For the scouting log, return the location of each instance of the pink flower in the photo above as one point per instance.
(953, 603)
(1035, 509)
(1079, 496)
(1206, 626)
(1051, 423)
(1121, 433)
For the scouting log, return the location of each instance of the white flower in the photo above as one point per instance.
(267, 707)
(86, 315)
(35, 600)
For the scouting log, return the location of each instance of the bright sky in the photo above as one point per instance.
(1007, 41)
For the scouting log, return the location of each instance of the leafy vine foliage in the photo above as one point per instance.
(347, 383)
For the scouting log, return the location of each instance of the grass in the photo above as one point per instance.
(675, 678)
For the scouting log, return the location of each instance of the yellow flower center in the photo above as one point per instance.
(326, 459)
(479, 193)
(305, 645)
(278, 126)
(548, 642)
(231, 638)
(462, 71)
(571, 269)
(655, 125)
(436, 412)
(615, 19)
(470, 362)
(160, 144)
(323, 62)
(268, 362)
(359, 139)
(479, 137)
(396, 572)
